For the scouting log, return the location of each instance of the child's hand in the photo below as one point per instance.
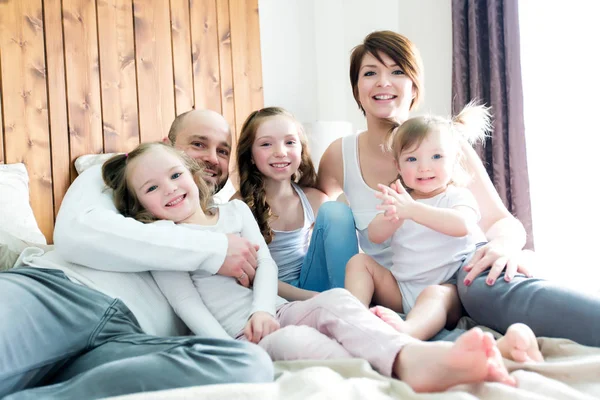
(395, 201)
(387, 203)
(260, 325)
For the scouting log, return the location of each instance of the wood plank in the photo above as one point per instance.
(247, 67)
(225, 67)
(83, 80)
(118, 75)
(205, 55)
(27, 137)
(154, 63)
(226, 71)
(57, 100)
(182, 58)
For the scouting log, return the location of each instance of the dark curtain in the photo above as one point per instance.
(486, 66)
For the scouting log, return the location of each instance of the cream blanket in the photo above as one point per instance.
(571, 371)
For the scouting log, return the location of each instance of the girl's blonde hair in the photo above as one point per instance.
(252, 185)
(114, 174)
(471, 125)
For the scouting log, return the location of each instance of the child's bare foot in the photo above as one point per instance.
(519, 344)
(437, 366)
(390, 317)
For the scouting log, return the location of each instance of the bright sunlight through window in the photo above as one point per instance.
(561, 83)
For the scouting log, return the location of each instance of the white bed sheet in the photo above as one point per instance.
(571, 371)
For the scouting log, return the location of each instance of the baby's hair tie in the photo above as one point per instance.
(126, 155)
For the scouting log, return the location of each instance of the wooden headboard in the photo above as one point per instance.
(92, 76)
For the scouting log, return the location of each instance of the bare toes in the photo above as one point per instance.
(520, 355)
(521, 345)
(498, 373)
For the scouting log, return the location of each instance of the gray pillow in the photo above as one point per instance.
(8, 257)
(11, 247)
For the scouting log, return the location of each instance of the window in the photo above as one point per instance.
(561, 84)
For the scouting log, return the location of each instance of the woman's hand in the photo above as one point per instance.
(260, 325)
(497, 255)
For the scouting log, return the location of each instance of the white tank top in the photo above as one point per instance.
(288, 248)
(362, 202)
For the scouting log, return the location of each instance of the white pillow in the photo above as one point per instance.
(16, 215)
(84, 162)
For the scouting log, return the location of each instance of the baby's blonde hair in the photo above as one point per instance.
(471, 125)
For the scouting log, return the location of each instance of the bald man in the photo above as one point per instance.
(88, 321)
(205, 136)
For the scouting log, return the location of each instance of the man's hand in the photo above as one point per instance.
(240, 261)
(260, 325)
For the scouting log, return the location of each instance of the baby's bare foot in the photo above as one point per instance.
(437, 366)
(519, 344)
(390, 317)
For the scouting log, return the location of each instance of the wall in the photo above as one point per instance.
(306, 46)
(92, 76)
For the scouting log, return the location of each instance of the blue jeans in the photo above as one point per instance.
(332, 244)
(61, 340)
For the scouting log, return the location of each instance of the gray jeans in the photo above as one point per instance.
(61, 340)
(549, 308)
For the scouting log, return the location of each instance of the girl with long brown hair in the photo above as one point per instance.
(278, 183)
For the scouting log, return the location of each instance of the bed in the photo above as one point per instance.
(571, 371)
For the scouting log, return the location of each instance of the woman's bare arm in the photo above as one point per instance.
(331, 171)
(315, 198)
(505, 233)
(490, 205)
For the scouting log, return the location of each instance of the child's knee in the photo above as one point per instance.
(437, 292)
(357, 263)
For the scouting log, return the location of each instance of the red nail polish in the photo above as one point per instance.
(467, 282)
(490, 281)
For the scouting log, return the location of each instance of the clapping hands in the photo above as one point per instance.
(396, 203)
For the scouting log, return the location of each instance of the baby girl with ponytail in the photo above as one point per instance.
(431, 219)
